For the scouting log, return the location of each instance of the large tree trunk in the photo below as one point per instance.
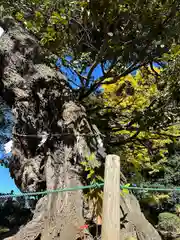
(43, 102)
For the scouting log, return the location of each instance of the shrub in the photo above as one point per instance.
(169, 222)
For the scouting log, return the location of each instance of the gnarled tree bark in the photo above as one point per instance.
(43, 102)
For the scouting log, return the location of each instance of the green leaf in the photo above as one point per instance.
(38, 14)
(126, 191)
(19, 16)
(98, 177)
(84, 163)
(92, 157)
(57, 18)
(90, 174)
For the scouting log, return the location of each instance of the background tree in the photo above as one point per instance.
(139, 115)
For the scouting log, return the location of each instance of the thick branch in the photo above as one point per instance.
(96, 62)
(100, 80)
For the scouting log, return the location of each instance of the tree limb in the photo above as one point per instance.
(96, 62)
(154, 71)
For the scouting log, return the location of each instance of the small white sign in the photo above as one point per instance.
(1, 31)
(8, 146)
(43, 139)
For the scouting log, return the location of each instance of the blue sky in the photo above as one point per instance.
(73, 76)
(6, 182)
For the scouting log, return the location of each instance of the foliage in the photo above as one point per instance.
(13, 215)
(93, 196)
(3, 229)
(168, 175)
(132, 116)
(124, 190)
(169, 222)
(139, 115)
(89, 166)
(158, 202)
(129, 98)
(177, 209)
(118, 37)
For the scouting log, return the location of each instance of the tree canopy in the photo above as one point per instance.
(118, 36)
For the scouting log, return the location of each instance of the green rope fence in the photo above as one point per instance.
(97, 185)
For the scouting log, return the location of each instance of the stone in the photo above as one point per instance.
(133, 222)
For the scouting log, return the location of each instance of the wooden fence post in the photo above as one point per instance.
(111, 199)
